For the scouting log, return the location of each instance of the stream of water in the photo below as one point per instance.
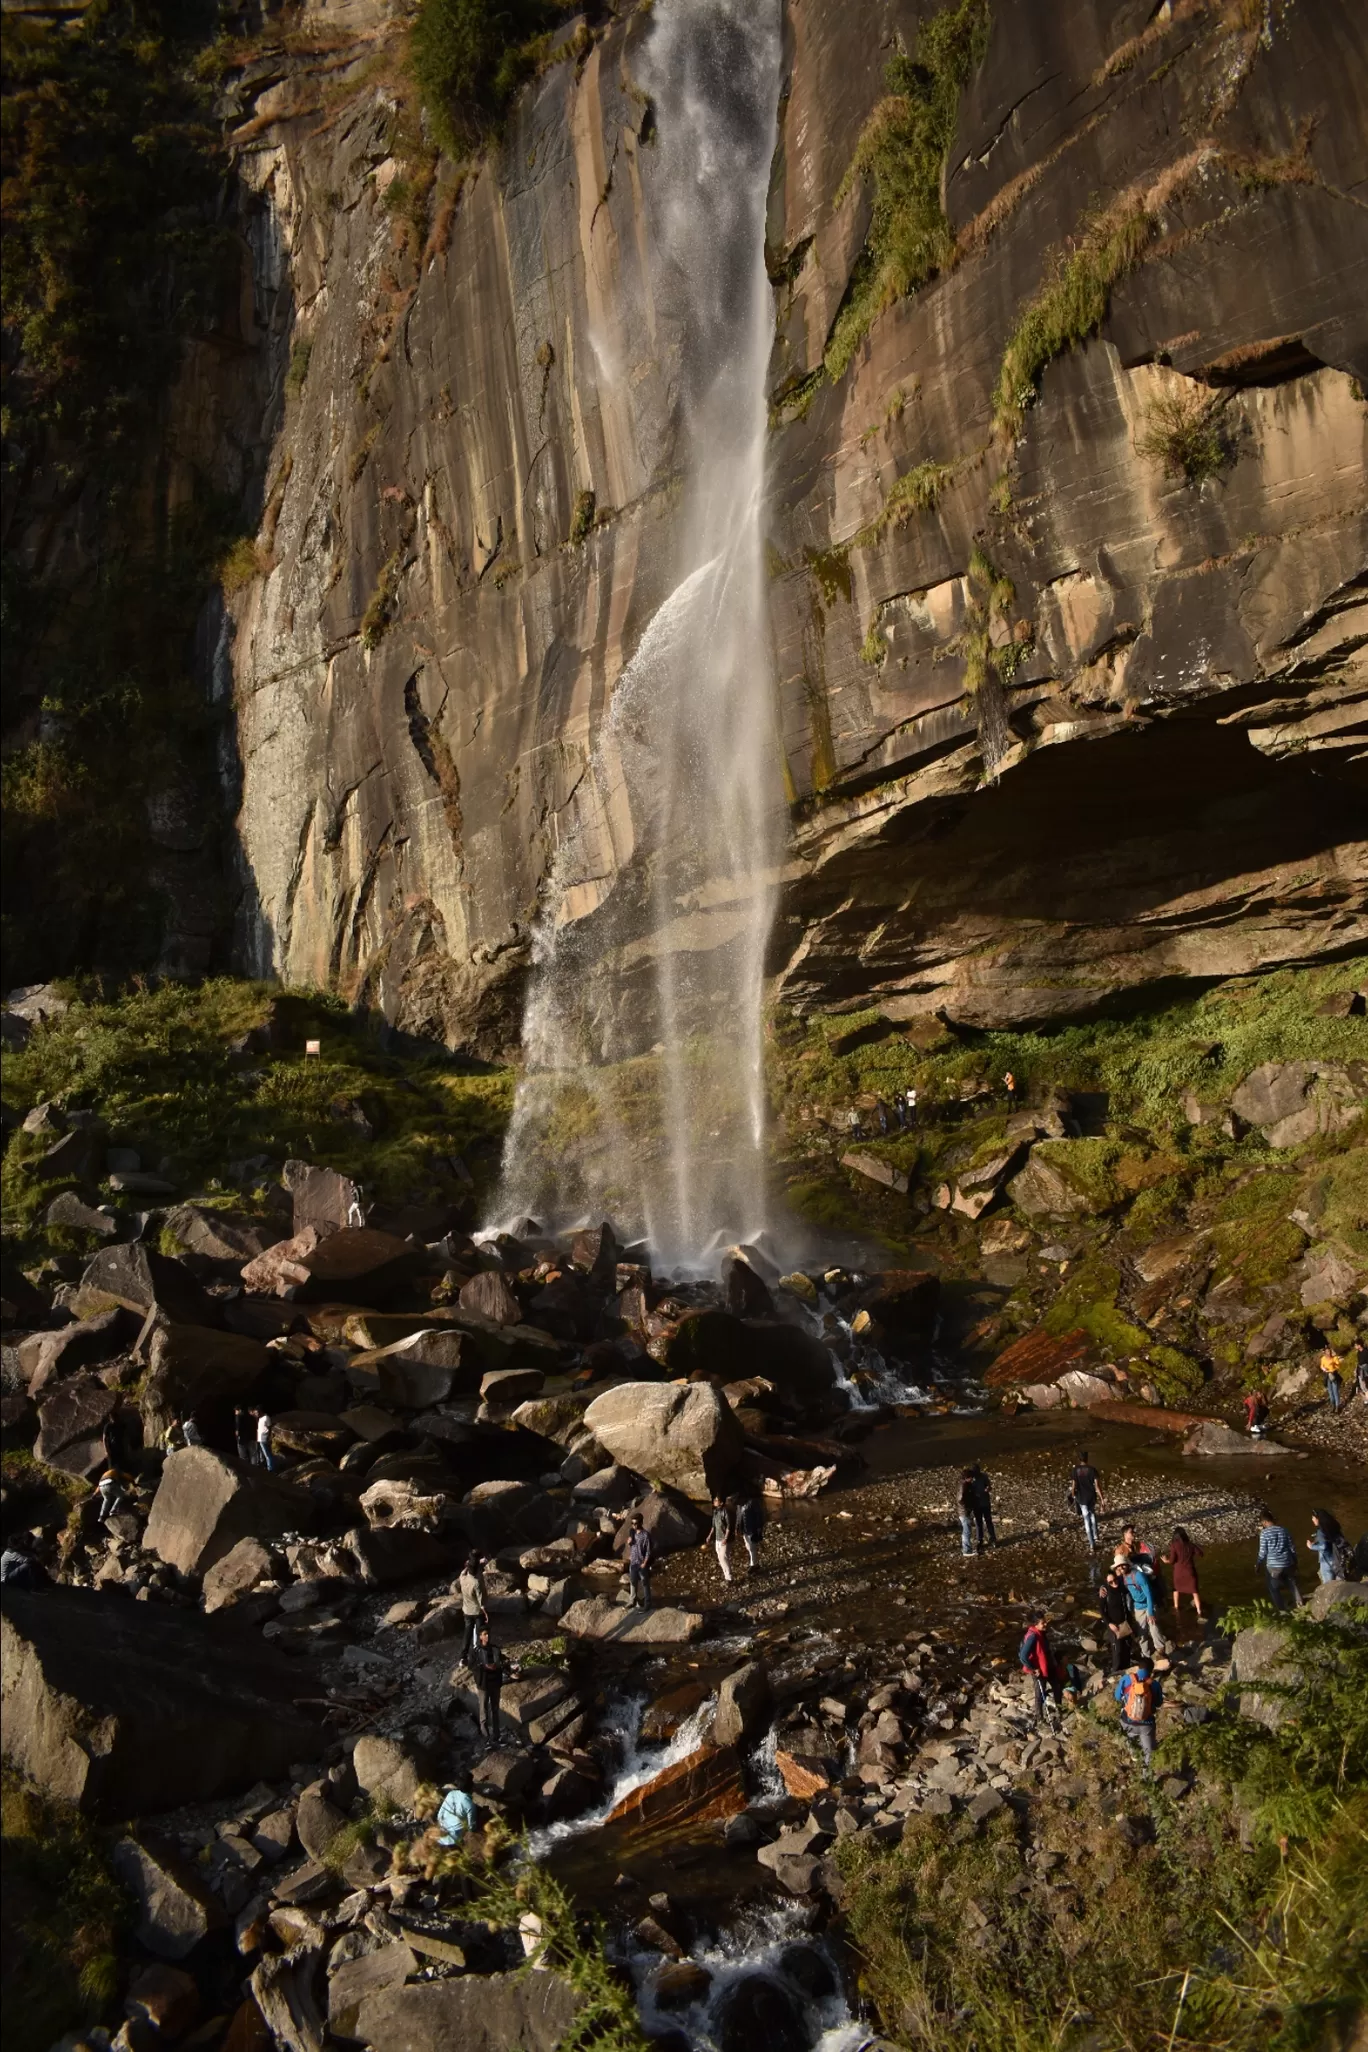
(652, 934)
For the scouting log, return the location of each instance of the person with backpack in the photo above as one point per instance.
(1038, 1659)
(1329, 1542)
(639, 1563)
(1140, 1693)
(750, 1522)
(1085, 1494)
(1277, 1557)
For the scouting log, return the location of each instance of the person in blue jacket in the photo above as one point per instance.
(1278, 1559)
(456, 1815)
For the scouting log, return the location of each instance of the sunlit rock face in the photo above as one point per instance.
(423, 677)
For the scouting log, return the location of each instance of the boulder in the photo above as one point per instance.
(217, 1239)
(611, 1488)
(165, 1997)
(1039, 1357)
(598, 1617)
(311, 1433)
(77, 1154)
(284, 1986)
(503, 1775)
(175, 1909)
(204, 1505)
(488, 1295)
(385, 1557)
(745, 1706)
(1291, 1102)
(501, 1513)
(134, 1708)
(804, 1775)
(1261, 1653)
(685, 1435)
(46, 1356)
(905, 1302)
(597, 1250)
(189, 1364)
(392, 1768)
(559, 1417)
(756, 2010)
(67, 1210)
(1043, 1190)
(476, 2012)
(317, 1821)
(133, 1276)
(794, 1870)
(356, 1265)
(743, 1292)
(1213, 1438)
(505, 1388)
(374, 1973)
(1329, 1274)
(877, 1171)
(72, 1425)
(704, 1787)
(674, 1524)
(1083, 1390)
(392, 1504)
(323, 1198)
(415, 1372)
(231, 1580)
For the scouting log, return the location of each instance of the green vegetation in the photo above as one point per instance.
(470, 57)
(63, 1914)
(1186, 432)
(1069, 307)
(1087, 1303)
(375, 621)
(902, 152)
(161, 1068)
(915, 492)
(299, 363)
(1196, 1939)
(582, 518)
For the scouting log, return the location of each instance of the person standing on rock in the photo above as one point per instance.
(1140, 1693)
(190, 1432)
(1329, 1543)
(1009, 1084)
(1182, 1556)
(639, 1563)
(113, 1498)
(751, 1525)
(1143, 1598)
(966, 1511)
(470, 1588)
(1039, 1660)
(1330, 1369)
(853, 1122)
(487, 1666)
(263, 1439)
(1085, 1494)
(723, 1531)
(1278, 1559)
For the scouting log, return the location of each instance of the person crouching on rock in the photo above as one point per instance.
(113, 1497)
(723, 1531)
(639, 1563)
(456, 1813)
(1256, 1412)
(487, 1666)
(472, 1594)
(1139, 1692)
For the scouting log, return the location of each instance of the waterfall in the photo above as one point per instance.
(643, 1095)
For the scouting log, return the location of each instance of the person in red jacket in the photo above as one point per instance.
(1038, 1659)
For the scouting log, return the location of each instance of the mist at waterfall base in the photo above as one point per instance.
(643, 1094)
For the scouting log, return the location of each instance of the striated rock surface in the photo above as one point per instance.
(470, 524)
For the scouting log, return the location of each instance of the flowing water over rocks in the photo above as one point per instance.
(652, 936)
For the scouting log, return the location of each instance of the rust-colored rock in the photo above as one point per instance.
(802, 1774)
(1040, 1357)
(703, 1788)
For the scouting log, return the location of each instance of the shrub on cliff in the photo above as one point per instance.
(469, 58)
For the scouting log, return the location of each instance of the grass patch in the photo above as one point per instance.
(1069, 307)
(1087, 1301)
(63, 1916)
(160, 1068)
(299, 367)
(582, 518)
(241, 565)
(915, 492)
(902, 152)
(1186, 433)
(1198, 1938)
(379, 613)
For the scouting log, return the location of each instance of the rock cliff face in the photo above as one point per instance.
(468, 517)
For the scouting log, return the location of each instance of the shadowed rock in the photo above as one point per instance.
(204, 1505)
(686, 1436)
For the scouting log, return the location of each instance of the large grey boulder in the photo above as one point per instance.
(1214, 1438)
(175, 1909)
(685, 1434)
(323, 1198)
(1043, 1189)
(1262, 1653)
(72, 1423)
(598, 1617)
(129, 1709)
(188, 1364)
(489, 1296)
(204, 1505)
(673, 1522)
(475, 2012)
(417, 1371)
(744, 1706)
(392, 1768)
(1291, 1102)
(215, 1238)
(44, 1357)
(136, 1278)
(374, 1973)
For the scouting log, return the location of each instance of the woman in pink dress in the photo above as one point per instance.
(1182, 1558)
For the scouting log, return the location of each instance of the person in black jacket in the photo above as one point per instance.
(1116, 1616)
(488, 1667)
(982, 1505)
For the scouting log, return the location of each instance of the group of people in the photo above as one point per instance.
(1278, 1555)
(486, 1662)
(1136, 1687)
(252, 1431)
(975, 1511)
(733, 1519)
(903, 1111)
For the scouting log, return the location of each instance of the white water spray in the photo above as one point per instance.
(643, 1097)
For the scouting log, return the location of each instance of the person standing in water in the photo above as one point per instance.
(1085, 1494)
(1182, 1558)
(1329, 1543)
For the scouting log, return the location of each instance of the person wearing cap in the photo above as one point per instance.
(456, 1814)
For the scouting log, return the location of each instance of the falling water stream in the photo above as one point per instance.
(643, 1094)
